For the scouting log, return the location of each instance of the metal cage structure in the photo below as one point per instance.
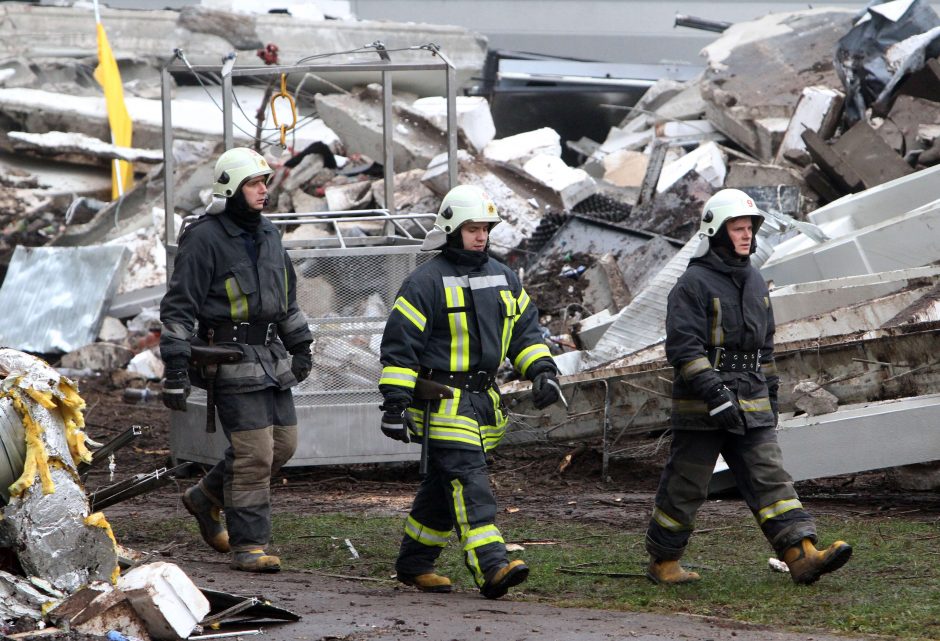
(348, 273)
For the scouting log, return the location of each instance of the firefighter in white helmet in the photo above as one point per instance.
(233, 278)
(720, 340)
(455, 320)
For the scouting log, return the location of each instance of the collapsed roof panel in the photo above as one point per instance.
(55, 298)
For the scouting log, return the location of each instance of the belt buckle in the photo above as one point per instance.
(270, 334)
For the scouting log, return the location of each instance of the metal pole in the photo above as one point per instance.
(451, 123)
(227, 112)
(166, 89)
(388, 127)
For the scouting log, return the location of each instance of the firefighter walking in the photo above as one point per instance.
(233, 286)
(455, 320)
(720, 340)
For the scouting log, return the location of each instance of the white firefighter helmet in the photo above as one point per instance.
(725, 205)
(462, 204)
(232, 169)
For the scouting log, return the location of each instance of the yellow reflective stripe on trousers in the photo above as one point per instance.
(238, 302)
(694, 367)
(483, 535)
(459, 332)
(529, 355)
(425, 535)
(754, 404)
(667, 522)
(718, 336)
(410, 312)
(399, 376)
(778, 508)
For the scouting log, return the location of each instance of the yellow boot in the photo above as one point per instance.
(807, 564)
(669, 573)
(208, 516)
(499, 580)
(427, 582)
(255, 561)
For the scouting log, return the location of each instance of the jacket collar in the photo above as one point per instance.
(232, 229)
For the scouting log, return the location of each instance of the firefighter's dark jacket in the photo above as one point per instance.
(717, 305)
(451, 317)
(215, 283)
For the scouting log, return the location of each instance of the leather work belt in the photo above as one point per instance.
(728, 360)
(473, 382)
(244, 333)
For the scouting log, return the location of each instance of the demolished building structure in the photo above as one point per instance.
(850, 245)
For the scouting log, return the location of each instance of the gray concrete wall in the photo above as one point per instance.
(638, 31)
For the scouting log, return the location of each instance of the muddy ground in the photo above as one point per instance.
(337, 608)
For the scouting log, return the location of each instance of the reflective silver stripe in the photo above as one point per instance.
(485, 282)
(720, 408)
(176, 330)
(456, 281)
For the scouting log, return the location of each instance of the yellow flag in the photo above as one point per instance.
(108, 76)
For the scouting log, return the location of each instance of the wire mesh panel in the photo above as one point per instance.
(347, 300)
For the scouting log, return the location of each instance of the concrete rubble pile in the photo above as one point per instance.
(846, 172)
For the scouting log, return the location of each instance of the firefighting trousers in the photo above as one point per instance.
(755, 461)
(261, 428)
(455, 493)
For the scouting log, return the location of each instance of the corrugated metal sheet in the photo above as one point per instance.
(643, 321)
(55, 298)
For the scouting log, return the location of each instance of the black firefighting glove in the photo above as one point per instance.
(397, 422)
(772, 389)
(176, 386)
(545, 388)
(301, 361)
(723, 408)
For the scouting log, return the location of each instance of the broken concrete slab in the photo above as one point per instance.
(706, 160)
(813, 400)
(151, 30)
(571, 185)
(58, 143)
(818, 109)
(357, 119)
(858, 159)
(625, 168)
(411, 195)
(517, 150)
(78, 285)
(801, 300)
(98, 357)
(353, 195)
(474, 119)
(97, 609)
(758, 69)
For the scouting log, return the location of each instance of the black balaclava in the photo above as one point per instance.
(244, 216)
(455, 252)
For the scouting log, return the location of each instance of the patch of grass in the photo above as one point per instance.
(889, 587)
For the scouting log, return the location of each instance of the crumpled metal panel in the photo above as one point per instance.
(55, 298)
(49, 531)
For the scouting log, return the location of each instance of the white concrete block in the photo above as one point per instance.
(474, 118)
(572, 185)
(818, 110)
(618, 139)
(165, 598)
(625, 168)
(706, 160)
(522, 147)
